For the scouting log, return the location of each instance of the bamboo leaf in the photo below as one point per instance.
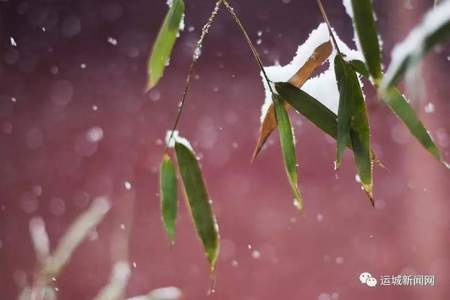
(351, 100)
(288, 148)
(312, 109)
(346, 97)
(198, 202)
(319, 56)
(363, 20)
(433, 30)
(400, 106)
(309, 107)
(162, 48)
(168, 195)
(326, 120)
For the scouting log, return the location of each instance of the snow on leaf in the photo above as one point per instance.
(434, 29)
(173, 137)
(322, 87)
(316, 59)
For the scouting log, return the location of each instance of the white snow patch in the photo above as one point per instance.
(348, 7)
(349, 10)
(322, 87)
(165, 293)
(182, 24)
(413, 45)
(171, 139)
(12, 41)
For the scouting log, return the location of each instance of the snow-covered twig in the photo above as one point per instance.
(115, 289)
(165, 293)
(40, 240)
(74, 236)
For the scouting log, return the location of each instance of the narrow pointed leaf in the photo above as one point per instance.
(312, 109)
(400, 106)
(168, 195)
(346, 97)
(355, 110)
(309, 107)
(198, 202)
(360, 137)
(433, 30)
(288, 148)
(162, 48)
(364, 22)
(319, 56)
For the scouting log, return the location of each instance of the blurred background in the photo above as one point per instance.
(75, 125)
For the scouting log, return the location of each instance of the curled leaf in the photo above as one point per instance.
(162, 48)
(168, 195)
(288, 148)
(198, 202)
(360, 67)
(319, 56)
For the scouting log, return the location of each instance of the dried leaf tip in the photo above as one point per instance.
(369, 192)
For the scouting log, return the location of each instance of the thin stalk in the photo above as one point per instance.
(249, 42)
(195, 57)
(325, 17)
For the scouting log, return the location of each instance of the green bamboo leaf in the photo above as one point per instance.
(168, 195)
(346, 99)
(354, 109)
(309, 107)
(288, 148)
(434, 30)
(400, 106)
(363, 20)
(312, 109)
(198, 202)
(360, 67)
(165, 40)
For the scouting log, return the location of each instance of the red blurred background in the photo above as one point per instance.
(75, 124)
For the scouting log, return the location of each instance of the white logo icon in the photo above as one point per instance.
(366, 278)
